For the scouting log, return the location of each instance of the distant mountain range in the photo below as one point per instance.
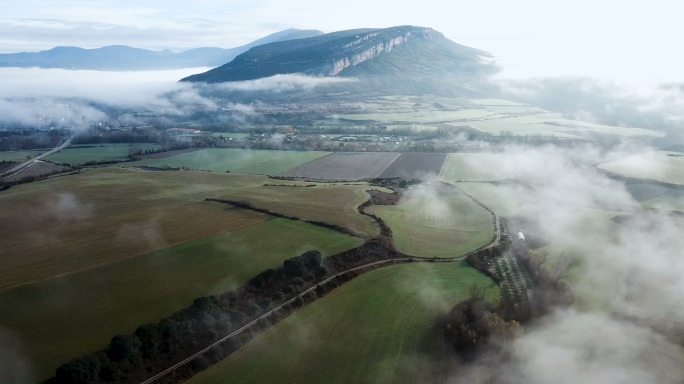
(397, 54)
(124, 58)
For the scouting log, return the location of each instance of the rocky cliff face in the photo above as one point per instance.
(359, 51)
(412, 52)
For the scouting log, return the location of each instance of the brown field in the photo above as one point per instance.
(55, 320)
(67, 224)
(329, 203)
(345, 166)
(40, 168)
(415, 165)
(8, 165)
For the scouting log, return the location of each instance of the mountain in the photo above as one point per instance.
(213, 57)
(121, 57)
(406, 53)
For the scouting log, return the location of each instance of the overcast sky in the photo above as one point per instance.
(624, 39)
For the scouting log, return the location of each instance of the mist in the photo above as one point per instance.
(284, 83)
(77, 99)
(654, 105)
(621, 262)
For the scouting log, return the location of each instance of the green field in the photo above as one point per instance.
(378, 328)
(80, 154)
(667, 167)
(506, 200)
(72, 223)
(421, 116)
(475, 167)
(247, 161)
(553, 124)
(446, 224)
(492, 116)
(18, 155)
(486, 166)
(674, 202)
(65, 317)
(329, 203)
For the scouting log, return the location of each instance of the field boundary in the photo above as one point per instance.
(28, 163)
(250, 207)
(300, 295)
(384, 238)
(365, 268)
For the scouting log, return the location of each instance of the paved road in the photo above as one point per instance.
(29, 163)
(495, 242)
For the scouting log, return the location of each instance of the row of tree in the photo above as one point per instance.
(31, 139)
(155, 347)
(477, 325)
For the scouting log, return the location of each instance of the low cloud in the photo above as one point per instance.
(644, 105)
(78, 99)
(14, 366)
(626, 324)
(592, 347)
(68, 207)
(125, 89)
(148, 233)
(284, 83)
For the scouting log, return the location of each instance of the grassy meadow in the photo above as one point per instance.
(666, 167)
(379, 328)
(505, 200)
(246, 161)
(61, 318)
(445, 226)
(18, 155)
(80, 154)
(329, 203)
(422, 116)
(491, 116)
(68, 224)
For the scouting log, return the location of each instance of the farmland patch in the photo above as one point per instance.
(58, 319)
(415, 165)
(379, 328)
(37, 169)
(345, 166)
(77, 222)
(81, 154)
(18, 156)
(667, 167)
(439, 222)
(246, 161)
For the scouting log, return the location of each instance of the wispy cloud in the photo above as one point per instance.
(626, 319)
(658, 106)
(284, 83)
(77, 99)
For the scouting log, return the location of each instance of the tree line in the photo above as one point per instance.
(154, 347)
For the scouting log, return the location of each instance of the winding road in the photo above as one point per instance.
(29, 163)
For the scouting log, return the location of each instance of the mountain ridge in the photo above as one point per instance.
(123, 57)
(409, 53)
